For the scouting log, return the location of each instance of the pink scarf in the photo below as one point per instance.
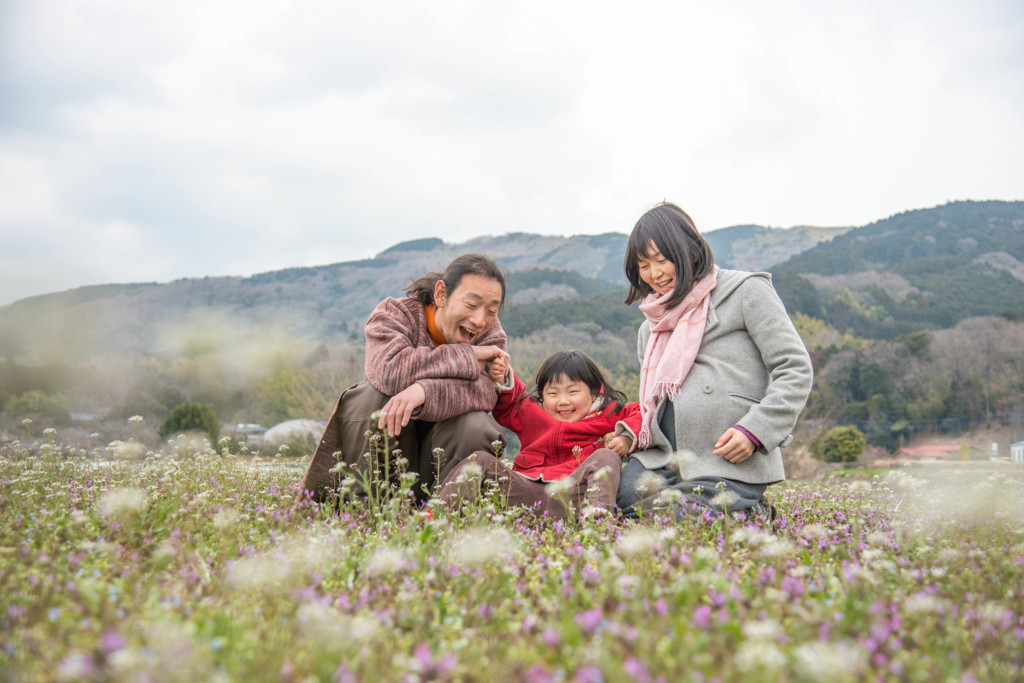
(676, 334)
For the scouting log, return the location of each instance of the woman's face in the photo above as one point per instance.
(566, 400)
(657, 271)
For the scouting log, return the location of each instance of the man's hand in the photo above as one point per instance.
(498, 369)
(734, 446)
(397, 412)
(486, 354)
(620, 444)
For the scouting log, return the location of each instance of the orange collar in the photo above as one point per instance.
(436, 335)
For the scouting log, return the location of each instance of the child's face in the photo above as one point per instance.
(657, 271)
(567, 400)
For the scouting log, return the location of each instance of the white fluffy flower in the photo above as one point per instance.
(759, 655)
(384, 562)
(225, 518)
(725, 499)
(814, 531)
(479, 546)
(824, 661)
(637, 541)
(122, 501)
(560, 488)
(776, 547)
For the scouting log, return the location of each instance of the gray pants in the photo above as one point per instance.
(636, 495)
(349, 430)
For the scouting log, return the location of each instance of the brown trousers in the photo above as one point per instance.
(348, 434)
(592, 484)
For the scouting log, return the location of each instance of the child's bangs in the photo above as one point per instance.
(570, 365)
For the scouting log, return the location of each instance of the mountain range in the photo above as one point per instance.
(920, 269)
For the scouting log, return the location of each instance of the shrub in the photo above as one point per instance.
(35, 402)
(842, 444)
(191, 417)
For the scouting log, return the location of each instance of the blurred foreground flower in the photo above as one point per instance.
(479, 546)
(824, 661)
(385, 561)
(637, 541)
(123, 501)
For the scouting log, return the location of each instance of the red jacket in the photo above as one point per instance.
(547, 444)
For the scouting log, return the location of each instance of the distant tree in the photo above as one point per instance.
(50, 408)
(151, 397)
(917, 342)
(842, 444)
(798, 294)
(964, 453)
(191, 417)
(873, 380)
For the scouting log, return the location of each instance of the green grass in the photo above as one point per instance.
(198, 566)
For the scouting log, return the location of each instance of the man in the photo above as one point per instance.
(426, 361)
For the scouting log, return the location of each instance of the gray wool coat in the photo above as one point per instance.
(752, 370)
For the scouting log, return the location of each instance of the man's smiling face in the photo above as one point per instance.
(470, 310)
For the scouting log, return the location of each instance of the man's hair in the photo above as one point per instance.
(422, 289)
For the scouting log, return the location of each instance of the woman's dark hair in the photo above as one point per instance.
(674, 234)
(422, 289)
(576, 366)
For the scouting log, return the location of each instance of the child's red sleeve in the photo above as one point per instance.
(630, 417)
(507, 410)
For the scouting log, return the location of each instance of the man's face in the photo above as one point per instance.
(468, 312)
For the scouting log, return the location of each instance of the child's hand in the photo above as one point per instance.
(734, 446)
(498, 369)
(620, 444)
(485, 355)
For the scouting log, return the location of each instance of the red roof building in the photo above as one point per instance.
(943, 451)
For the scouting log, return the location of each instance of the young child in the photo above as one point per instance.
(573, 427)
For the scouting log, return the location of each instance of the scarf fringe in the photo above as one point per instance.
(664, 389)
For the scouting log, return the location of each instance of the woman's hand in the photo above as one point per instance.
(397, 412)
(620, 444)
(734, 446)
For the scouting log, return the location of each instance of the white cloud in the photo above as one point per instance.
(26, 191)
(195, 138)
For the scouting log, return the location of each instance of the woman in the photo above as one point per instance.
(724, 374)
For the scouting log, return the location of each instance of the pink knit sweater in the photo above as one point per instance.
(399, 352)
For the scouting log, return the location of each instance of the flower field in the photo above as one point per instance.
(198, 565)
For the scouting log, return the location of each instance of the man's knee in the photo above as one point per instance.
(459, 436)
(474, 422)
(360, 401)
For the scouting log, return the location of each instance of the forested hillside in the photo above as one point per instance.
(914, 321)
(919, 270)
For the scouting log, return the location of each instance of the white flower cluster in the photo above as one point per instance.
(760, 651)
(638, 541)
(827, 661)
(123, 501)
(481, 546)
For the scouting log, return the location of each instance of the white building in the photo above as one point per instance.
(1017, 451)
(290, 429)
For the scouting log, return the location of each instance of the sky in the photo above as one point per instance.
(145, 141)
